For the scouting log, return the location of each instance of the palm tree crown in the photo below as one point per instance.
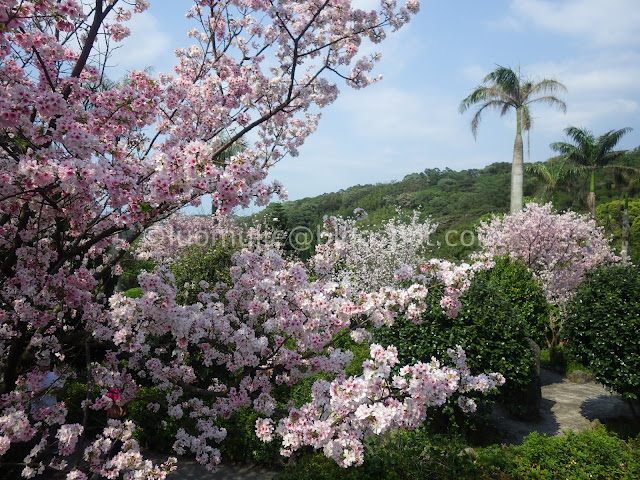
(503, 90)
(591, 152)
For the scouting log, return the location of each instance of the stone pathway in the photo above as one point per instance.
(565, 406)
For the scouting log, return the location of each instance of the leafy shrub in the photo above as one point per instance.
(602, 326)
(131, 269)
(516, 283)
(398, 455)
(242, 444)
(210, 263)
(135, 292)
(493, 336)
(153, 430)
(592, 454)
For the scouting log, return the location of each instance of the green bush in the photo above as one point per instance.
(592, 454)
(242, 444)
(135, 292)
(398, 455)
(210, 263)
(515, 282)
(493, 336)
(155, 431)
(131, 269)
(601, 328)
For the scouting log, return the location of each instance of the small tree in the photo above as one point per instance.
(559, 248)
(591, 153)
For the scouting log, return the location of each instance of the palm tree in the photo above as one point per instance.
(553, 173)
(504, 89)
(591, 152)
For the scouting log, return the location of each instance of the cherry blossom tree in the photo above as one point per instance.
(558, 247)
(87, 166)
(374, 255)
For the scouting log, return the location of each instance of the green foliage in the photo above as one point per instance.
(592, 454)
(516, 283)
(73, 394)
(492, 334)
(131, 269)
(559, 359)
(135, 292)
(610, 216)
(242, 444)
(153, 430)
(398, 455)
(210, 263)
(602, 324)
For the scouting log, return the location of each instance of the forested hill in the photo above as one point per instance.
(446, 195)
(454, 199)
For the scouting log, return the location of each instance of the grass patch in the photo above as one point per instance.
(561, 361)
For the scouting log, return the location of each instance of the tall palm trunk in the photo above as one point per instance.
(517, 168)
(591, 199)
(624, 252)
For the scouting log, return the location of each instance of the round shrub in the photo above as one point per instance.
(591, 454)
(601, 328)
(493, 336)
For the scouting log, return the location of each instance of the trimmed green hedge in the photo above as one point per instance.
(602, 325)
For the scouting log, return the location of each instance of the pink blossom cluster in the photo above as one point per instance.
(558, 247)
(342, 413)
(454, 279)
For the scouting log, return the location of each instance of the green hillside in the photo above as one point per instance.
(456, 200)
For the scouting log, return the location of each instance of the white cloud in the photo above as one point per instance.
(389, 112)
(600, 23)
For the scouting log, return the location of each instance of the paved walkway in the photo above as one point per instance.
(565, 406)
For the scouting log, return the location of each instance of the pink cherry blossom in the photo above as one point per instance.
(558, 247)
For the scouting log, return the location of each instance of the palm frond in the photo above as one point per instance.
(546, 86)
(550, 100)
(609, 140)
(475, 121)
(484, 94)
(505, 77)
(625, 170)
(581, 136)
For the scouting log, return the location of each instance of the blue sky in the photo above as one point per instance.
(409, 121)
